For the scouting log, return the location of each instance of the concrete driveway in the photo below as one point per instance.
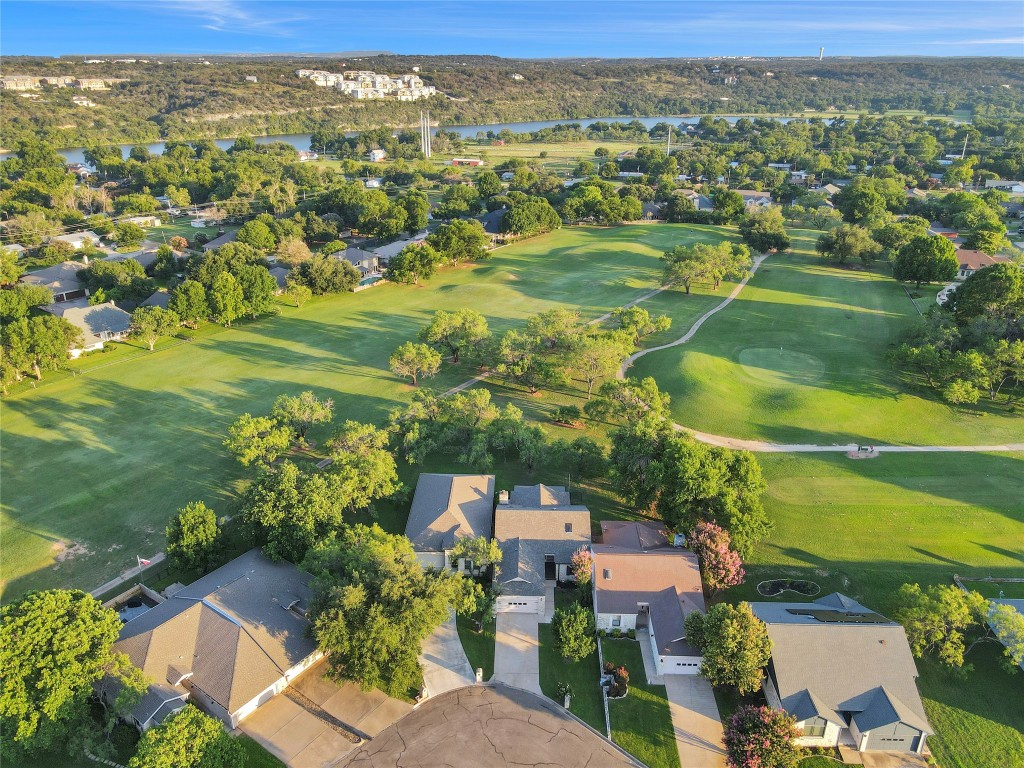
(517, 652)
(444, 661)
(892, 760)
(696, 722)
(295, 735)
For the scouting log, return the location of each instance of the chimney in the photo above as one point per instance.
(503, 497)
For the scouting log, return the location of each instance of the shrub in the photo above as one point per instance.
(564, 689)
(616, 632)
(569, 415)
(632, 634)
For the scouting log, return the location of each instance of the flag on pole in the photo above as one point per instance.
(143, 561)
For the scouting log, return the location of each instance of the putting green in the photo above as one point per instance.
(776, 365)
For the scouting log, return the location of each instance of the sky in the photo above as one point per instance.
(525, 28)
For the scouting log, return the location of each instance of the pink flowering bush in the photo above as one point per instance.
(720, 564)
(761, 737)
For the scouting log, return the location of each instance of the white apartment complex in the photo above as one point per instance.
(370, 85)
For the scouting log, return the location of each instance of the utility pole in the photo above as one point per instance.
(668, 143)
(964, 150)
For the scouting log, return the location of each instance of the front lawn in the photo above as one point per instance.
(479, 646)
(641, 722)
(583, 676)
(256, 756)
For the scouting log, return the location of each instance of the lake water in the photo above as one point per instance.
(301, 140)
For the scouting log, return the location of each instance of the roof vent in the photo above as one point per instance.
(503, 497)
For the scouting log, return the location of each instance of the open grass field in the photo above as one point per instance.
(641, 722)
(799, 357)
(94, 465)
(865, 527)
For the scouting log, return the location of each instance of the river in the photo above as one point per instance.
(301, 140)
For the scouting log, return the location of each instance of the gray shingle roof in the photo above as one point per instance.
(532, 525)
(157, 299)
(842, 653)
(231, 629)
(98, 322)
(60, 278)
(446, 507)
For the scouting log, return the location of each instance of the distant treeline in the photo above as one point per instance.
(190, 100)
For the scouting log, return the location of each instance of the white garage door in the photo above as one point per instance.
(520, 604)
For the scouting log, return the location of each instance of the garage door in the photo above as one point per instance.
(520, 604)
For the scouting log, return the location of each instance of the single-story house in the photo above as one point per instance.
(845, 673)
(304, 156)
(377, 155)
(61, 279)
(77, 240)
(700, 202)
(642, 582)
(781, 166)
(280, 275)
(1005, 184)
(753, 198)
(99, 323)
(508, 176)
(631, 175)
(386, 252)
(143, 221)
(446, 508)
(917, 194)
(936, 228)
(159, 298)
(652, 212)
(145, 255)
(373, 183)
(971, 261)
(538, 529)
(228, 642)
(470, 161)
(830, 189)
(217, 242)
(492, 222)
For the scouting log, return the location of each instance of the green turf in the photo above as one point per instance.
(865, 527)
(582, 675)
(641, 722)
(256, 756)
(799, 357)
(103, 459)
(479, 646)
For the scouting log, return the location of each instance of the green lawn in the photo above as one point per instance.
(256, 756)
(94, 465)
(479, 646)
(799, 357)
(865, 527)
(583, 676)
(641, 722)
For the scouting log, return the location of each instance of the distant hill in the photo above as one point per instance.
(184, 98)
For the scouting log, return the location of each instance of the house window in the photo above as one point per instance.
(814, 728)
(606, 573)
(568, 527)
(616, 621)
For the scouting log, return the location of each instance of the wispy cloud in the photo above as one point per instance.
(230, 16)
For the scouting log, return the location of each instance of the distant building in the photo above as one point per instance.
(753, 198)
(371, 85)
(470, 161)
(251, 79)
(377, 155)
(78, 240)
(972, 261)
(18, 83)
(517, 76)
(306, 155)
(61, 279)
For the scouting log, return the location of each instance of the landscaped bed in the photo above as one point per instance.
(775, 587)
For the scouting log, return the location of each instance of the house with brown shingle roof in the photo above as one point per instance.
(445, 509)
(972, 261)
(643, 582)
(228, 642)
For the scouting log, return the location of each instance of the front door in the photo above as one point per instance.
(643, 613)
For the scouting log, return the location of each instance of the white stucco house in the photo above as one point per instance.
(446, 508)
(228, 643)
(642, 582)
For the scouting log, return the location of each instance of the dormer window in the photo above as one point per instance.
(568, 527)
(607, 573)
